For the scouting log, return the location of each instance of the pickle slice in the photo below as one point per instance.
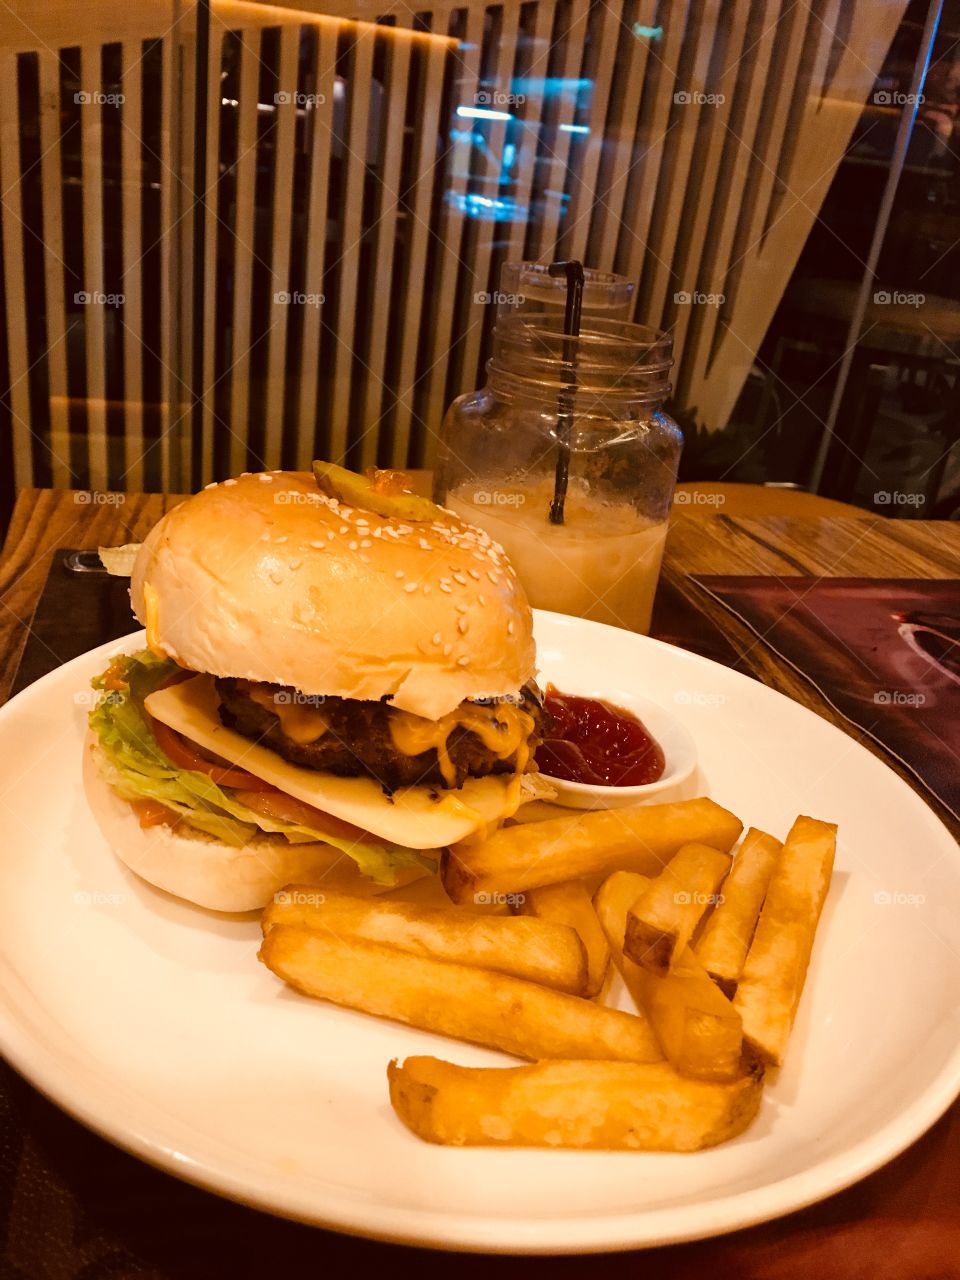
(361, 492)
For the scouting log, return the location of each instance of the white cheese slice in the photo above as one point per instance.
(419, 817)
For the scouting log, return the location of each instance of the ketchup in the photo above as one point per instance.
(594, 742)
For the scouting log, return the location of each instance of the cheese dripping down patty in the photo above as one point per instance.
(502, 727)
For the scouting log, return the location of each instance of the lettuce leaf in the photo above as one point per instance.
(134, 764)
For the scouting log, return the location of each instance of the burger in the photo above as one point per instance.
(337, 674)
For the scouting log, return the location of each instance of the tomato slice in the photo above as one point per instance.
(286, 808)
(152, 813)
(183, 753)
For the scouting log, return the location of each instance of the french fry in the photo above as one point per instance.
(456, 1000)
(663, 919)
(641, 838)
(722, 947)
(775, 969)
(600, 1105)
(569, 904)
(699, 1030)
(537, 950)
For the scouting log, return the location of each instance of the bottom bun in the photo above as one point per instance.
(192, 865)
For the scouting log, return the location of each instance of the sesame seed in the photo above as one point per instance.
(462, 608)
(378, 531)
(364, 557)
(436, 637)
(482, 600)
(211, 485)
(276, 576)
(344, 528)
(445, 586)
(366, 542)
(459, 577)
(493, 576)
(318, 546)
(447, 650)
(473, 574)
(265, 478)
(330, 535)
(281, 538)
(265, 536)
(410, 586)
(510, 627)
(462, 662)
(231, 481)
(295, 564)
(425, 545)
(354, 545)
(462, 625)
(361, 522)
(398, 574)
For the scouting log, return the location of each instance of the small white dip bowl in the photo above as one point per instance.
(678, 781)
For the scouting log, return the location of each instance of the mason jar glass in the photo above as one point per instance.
(529, 286)
(585, 414)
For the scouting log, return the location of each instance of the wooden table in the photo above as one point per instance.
(70, 1200)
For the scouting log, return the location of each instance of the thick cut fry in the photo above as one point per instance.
(641, 839)
(537, 950)
(662, 920)
(570, 1104)
(455, 1000)
(569, 904)
(776, 965)
(699, 1030)
(722, 947)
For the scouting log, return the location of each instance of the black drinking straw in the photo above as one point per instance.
(567, 399)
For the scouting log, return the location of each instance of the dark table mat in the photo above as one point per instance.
(74, 1206)
(847, 637)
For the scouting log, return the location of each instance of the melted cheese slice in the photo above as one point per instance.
(419, 817)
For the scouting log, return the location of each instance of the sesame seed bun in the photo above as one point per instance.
(266, 578)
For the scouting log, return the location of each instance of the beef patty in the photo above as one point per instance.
(356, 740)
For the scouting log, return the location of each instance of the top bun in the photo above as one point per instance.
(266, 578)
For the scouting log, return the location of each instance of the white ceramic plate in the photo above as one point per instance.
(153, 1023)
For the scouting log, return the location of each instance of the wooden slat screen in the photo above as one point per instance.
(357, 209)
